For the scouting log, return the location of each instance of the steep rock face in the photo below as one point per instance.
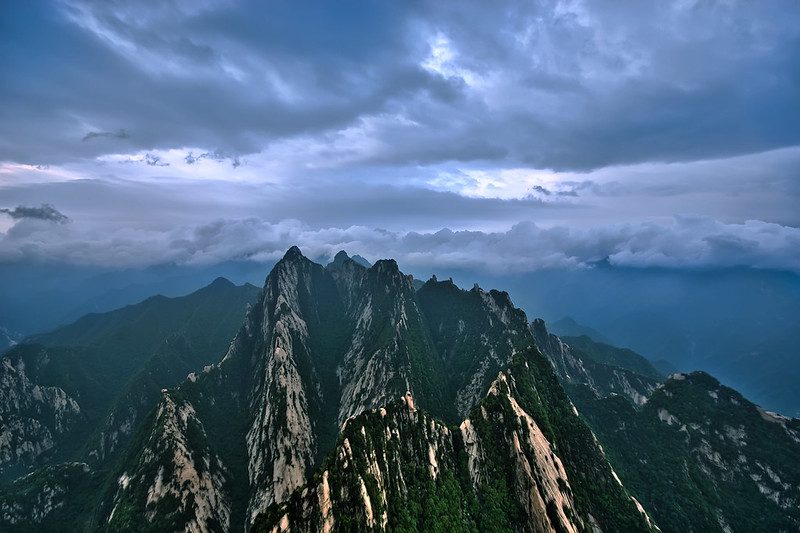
(323, 345)
(540, 483)
(397, 468)
(477, 333)
(32, 417)
(385, 456)
(48, 499)
(703, 458)
(281, 441)
(178, 476)
(337, 343)
(319, 345)
(597, 366)
(81, 394)
(390, 351)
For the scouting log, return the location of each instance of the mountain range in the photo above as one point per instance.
(353, 397)
(739, 324)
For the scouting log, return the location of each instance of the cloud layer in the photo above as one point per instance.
(651, 133)
(554, 84)
(683, 242)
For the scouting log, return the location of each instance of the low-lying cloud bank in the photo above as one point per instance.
(681, 242)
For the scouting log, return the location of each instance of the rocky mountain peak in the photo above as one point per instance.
(387, 266)
(539, 328)
(292, 254)
(350, 401)
(387, 273)
(361, 260)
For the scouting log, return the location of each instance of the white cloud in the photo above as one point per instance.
(682, 242)
(443, 61)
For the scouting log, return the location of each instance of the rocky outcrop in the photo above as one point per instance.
(378, 363)
(178, 477)
(384, 457)
(396, 467)
(40, 501)
(322, 350)
(577, 367)
(477, 334)
(32, 417)
(540, 482)
(280, 441)
(703, 457)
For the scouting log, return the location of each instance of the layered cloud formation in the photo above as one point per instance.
(650, 133)
(693, 242)
(553, 84)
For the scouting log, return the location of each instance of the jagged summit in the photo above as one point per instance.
(340, 257)
(293, 253)
(539, 326)
(387, 265)
(348, 400)
(324, 345)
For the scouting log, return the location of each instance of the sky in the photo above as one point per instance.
(500, 136)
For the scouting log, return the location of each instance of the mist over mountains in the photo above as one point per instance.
(739, 324)
(353, 396)
(400, 266)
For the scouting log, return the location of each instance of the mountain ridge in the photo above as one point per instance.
(359, 398)
(388, 347)
(692, 450)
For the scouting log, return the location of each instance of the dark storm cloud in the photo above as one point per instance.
(228, 79)
(565, 85)
(119, 134)
(342, 118)
(43, 212)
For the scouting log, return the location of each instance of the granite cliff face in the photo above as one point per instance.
(397, 468)
(342, 367)
(355, 398)
(702, 457)
(602, 369)
(33, 417)
(697, 454)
